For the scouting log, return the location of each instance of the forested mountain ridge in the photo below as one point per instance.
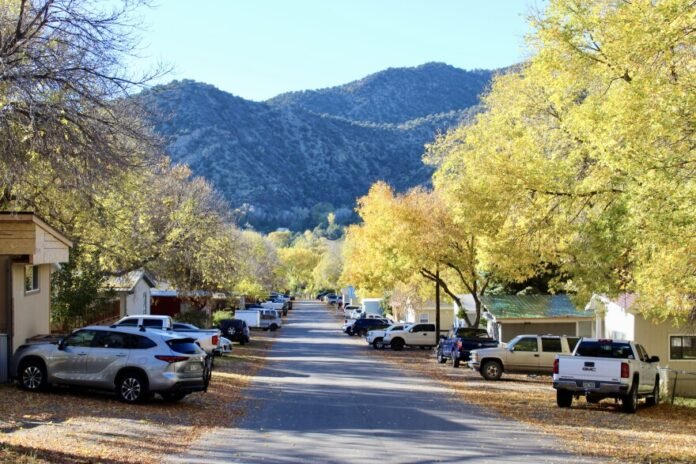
(289, 161)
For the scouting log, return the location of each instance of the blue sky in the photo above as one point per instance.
(259, 48)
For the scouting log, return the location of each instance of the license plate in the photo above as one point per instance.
(194, 367)
(589, 385)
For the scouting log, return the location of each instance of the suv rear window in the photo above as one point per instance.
(606, 349)
(184, 346)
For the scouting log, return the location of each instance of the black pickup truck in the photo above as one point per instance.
(460, 341)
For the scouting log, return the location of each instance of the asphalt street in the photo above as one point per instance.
(323, 398)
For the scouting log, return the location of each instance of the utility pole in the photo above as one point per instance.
(437, 301)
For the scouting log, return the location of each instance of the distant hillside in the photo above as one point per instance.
(286, 162)
(395, 95)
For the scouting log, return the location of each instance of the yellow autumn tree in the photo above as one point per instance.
(586, 152)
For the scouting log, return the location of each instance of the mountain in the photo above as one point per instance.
(290, 160)
(395, 95)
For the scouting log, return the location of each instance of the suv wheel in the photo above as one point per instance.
(455, 359)
(397, 344)
(33, 376)
(131, 388)
(492, 370)
(440, 358)
(274, 327)
(378, 343)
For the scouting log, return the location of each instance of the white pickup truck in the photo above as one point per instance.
(422, 335)
(208, 339)
(600, 368)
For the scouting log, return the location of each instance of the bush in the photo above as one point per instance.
(221, 315)
(198, 318)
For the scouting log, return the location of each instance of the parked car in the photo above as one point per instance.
(422, 335)
(207, 339)
(601, 369)
(225, 346)
(235, 330)
(362, 326)
(348, 310)
(260, 318)
(376, 337)
(524, 354)
(460, 341)
(132, 362)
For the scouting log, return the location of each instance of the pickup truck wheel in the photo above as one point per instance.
(491, 370)
(455, 359)
(564, 398)
(440, 358)
(397, 344)
(273, 327)
(378, 344)
(654, 399)
(629, 403)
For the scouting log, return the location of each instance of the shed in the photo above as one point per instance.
(132, 292)
(29, 247)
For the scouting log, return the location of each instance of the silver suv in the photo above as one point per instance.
(130, 361)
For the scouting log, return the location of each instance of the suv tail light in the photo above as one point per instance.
(555, 366)
(216, 340)
(624, 370)
(459, 344)
(171, 359)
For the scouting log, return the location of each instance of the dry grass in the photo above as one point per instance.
(66, 425)
(665, 433)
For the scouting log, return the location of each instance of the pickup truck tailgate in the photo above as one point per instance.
(583, 368)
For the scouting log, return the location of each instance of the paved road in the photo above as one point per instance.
(323, 399)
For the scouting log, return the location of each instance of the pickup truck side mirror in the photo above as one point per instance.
(511, 348)
(654, 359)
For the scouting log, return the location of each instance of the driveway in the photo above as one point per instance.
(324, 397)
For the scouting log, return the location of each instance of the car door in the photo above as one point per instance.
(647, 370)
(523, 356)
(550, 347)
(68, 363)
(107, 355)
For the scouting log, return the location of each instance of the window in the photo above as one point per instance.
(83, 338)
(31, 279)
(129, 323)
(604, 349)
(109, 340)
(152, 323)
(642, 353)
(551, 345)
(140, 343)
(572, 342)
(527, 344)
(682, 347)
(423, 318)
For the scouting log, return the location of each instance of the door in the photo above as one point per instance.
(523, 356)
(550, 347)
(108, 353)
(68, 363)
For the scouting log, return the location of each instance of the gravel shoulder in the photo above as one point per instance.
(78, 426)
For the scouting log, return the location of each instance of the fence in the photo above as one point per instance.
(675, 382)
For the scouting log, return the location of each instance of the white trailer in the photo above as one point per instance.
(266, 319)
(372, 305)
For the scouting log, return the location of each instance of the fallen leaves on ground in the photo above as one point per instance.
(663, 433)
(70, 425)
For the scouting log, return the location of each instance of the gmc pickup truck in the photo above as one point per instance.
(422, 335)
(460, 341)
(600, 369)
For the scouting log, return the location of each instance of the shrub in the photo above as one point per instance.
(198, 318)
(221, 315)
